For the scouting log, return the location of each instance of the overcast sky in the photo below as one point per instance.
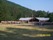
(46, 5)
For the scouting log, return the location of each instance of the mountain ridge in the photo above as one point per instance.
(12, 11)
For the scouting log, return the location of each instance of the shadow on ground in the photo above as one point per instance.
(16, 34)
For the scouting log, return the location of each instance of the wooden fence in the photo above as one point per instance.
(43, 23)
(10, 22)
(18, 22)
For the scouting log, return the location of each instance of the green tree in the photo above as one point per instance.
(50, 15)
(41, 13)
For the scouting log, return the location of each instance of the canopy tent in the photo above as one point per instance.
(42, 19)
(25, 19)
(38, 18)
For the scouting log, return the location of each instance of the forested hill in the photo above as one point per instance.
(12, 11)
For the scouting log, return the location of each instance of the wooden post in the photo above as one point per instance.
(28, 21)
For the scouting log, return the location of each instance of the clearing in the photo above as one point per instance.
(25, 32)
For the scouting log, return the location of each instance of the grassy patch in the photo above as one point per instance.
(22, 32)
